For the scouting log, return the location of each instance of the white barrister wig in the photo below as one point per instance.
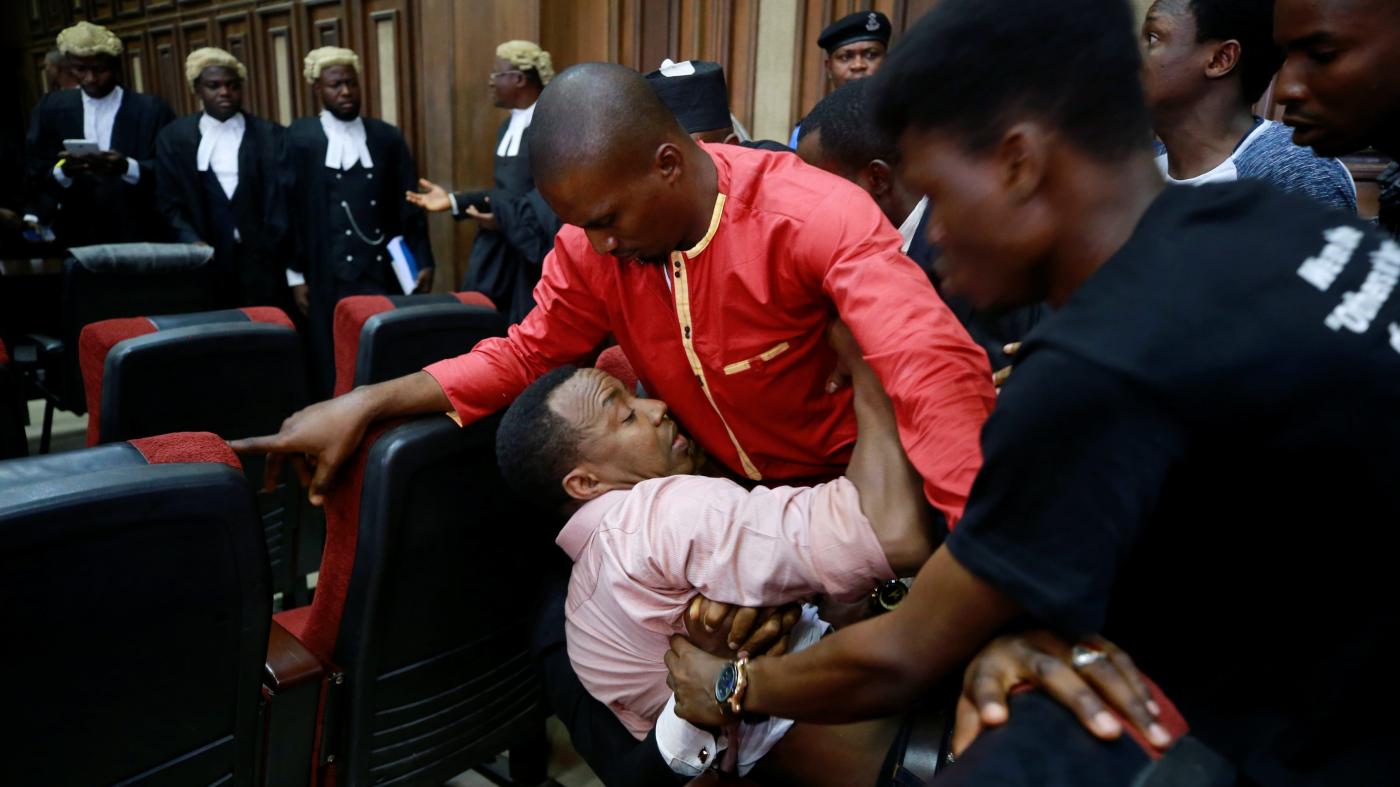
(86, 40)
(526, 56)
(318, 60)
(208, 56)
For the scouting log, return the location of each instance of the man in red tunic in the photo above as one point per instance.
(717, 269)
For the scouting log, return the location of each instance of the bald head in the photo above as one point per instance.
(610, 158)
(597, 115)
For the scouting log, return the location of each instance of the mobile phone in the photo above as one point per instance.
(81, 147)
(476, 199)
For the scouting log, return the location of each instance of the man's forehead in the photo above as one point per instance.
(859, 46)
(219, 73)
(586, 396)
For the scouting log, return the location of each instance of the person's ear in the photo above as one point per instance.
(1223, 59)
(732, 139)
(669, 162)
(880, 177)
(1022, 159)
(582, 483)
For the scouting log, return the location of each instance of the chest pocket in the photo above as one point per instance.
(757, 360)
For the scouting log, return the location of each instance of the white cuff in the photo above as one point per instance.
(452, 198)
(62, 179)
(30, 218)
(133, 172)
(295, 279)
(687, 749)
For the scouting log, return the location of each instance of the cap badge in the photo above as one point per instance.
(872, 23)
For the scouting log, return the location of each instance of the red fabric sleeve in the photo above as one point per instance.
(935, 374)
(268, 314)
(350, 316)
(475, 299)
(568, 321)
(181, 447)
(96, 340)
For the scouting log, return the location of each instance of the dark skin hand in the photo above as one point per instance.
(107, 162)
(869, 672)
(724, 630)
(318, 439)
(1003, 374)
(1041, 659)
(301, 294)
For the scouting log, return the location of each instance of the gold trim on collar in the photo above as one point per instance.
(699, 248)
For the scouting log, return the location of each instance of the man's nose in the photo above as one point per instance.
(656, 410)
(603, 243)
(1290, 88)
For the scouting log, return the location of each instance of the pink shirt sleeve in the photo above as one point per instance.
(568, 321)
(757, 547)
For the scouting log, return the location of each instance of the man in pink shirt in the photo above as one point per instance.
(646, 535)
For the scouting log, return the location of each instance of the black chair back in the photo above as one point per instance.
(112, 677)
(235, 379)
(423, 329)
(128, 280)
(433, 635)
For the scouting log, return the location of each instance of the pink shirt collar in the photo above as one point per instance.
(579, 530)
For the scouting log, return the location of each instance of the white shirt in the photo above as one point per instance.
(519, 121)
(219, 142)
(99, 116)
(911, 224)
(345, 142)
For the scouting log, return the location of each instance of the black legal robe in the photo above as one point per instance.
(342, 221)
(506, 265)
(96, 208)
(253, 267)
(992, 329)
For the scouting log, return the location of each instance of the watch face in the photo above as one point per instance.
(724, 684)
(891, 593)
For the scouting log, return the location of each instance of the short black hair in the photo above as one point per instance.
(535, 446)
(850, 135)
(977, 66)
(578, 122)
(1250, 22)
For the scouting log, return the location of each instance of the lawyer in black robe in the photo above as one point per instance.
(505, 263)
(253, 266)
(96, 208)
(342, 221)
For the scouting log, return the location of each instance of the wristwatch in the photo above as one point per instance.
(731, 683)
(888, 595)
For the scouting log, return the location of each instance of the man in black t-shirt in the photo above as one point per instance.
(1198, 454)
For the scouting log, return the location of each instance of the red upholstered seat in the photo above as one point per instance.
(614, 362)
(97, 340)
(352, 313)
(186, 447)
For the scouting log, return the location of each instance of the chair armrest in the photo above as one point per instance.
(45, 345)
(292, 685)
(289, 663)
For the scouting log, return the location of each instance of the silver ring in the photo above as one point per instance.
(1081, 656)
